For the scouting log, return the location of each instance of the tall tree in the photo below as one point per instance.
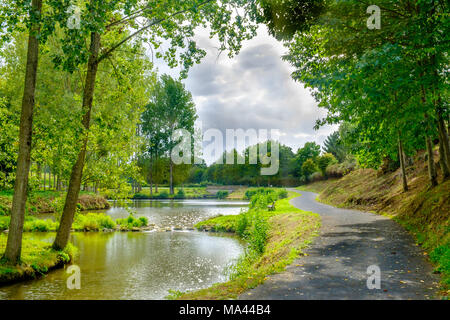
(333, 145)
(171, 108)
(14, 243)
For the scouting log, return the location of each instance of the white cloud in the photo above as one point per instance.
(252, 90)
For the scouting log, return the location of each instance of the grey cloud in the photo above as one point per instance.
(254, 90)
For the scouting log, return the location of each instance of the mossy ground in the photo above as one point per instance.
(37, 259)
(423, 211)
(290, 231)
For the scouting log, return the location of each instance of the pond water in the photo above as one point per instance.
(184, 213)
(144, 265)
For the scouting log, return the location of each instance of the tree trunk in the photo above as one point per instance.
(14, 242)
(39, 170)
(402, 164)
(58, 183)
(151, 182)
(443, 135)
(431, 166)
(442, 161)
(45, 177)
(62, 236)
(171, 177)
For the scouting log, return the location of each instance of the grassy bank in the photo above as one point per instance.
(37, 259)
(275, 239)
(82, 222)
(424, 212)
(51, 201)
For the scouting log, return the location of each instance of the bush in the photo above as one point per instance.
(144, 221)
(163, 195)
(308, 168)
(341, 169)
(132, 222)
(38, 225)
(261, 201)
(282, 194)
(221, 194)
(253, 191)
(180, 194)
(242, 224)
(106, 222)
(324, 161)
(258, 234)
(441, 257)
(93, 222)
(5, 209)
(316, 176)
(4, 222)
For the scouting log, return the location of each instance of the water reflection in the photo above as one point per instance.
(184, 213)
(135, 266)
(143, 265)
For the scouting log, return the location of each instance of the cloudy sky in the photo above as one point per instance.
(252, 90)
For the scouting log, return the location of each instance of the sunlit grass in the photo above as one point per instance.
(37, 258)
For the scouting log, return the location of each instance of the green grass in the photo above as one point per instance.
(82, 222)
(238, 194)
(285, 232)
(37, 259)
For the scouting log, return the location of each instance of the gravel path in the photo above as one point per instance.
(336, 266)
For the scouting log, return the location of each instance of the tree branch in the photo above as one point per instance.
(117, 45)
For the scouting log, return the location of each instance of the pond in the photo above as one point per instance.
(143, 265)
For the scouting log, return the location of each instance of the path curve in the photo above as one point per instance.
(336, 266)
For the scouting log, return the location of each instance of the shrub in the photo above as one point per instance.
(93, 222)
(341, 169)
(308, 168)
(5, 209)
(106, 222)
(4, 222)
(441, 256)
(242, 224)
(258, 234)
(282, 194)
(164, 194)
(324, 161)
(180, 194)
(132, 222)
(316, 176)
(144, 221)
(221, 194)
(39, 225)
(261, 201)
(253, 191)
